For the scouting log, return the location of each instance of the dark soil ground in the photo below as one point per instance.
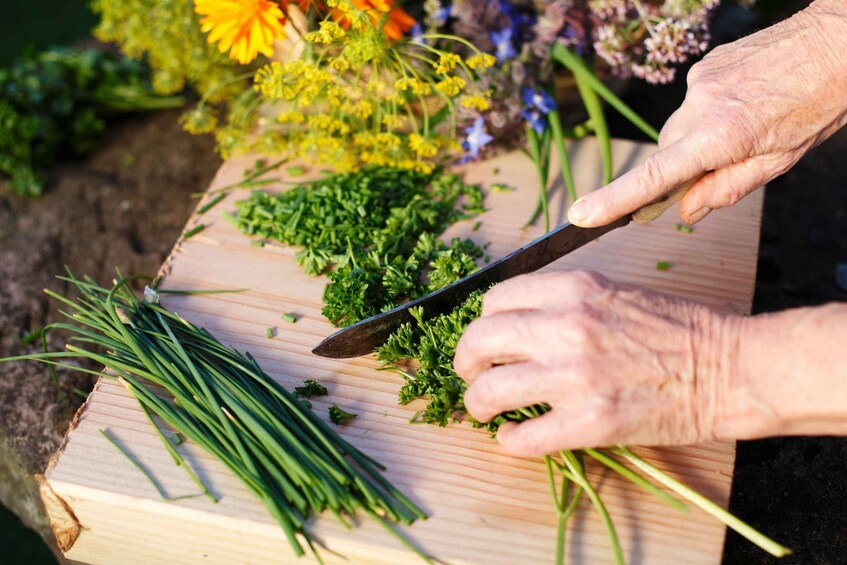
(125, 206)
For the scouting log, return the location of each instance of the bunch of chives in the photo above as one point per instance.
(223, 401)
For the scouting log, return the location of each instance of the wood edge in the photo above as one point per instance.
(63, 521)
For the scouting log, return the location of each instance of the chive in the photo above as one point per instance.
(177, 438)
(476, 226)
(269, 333)
(223, 402)
(495, 171)
(211, 203)
(194, 231)
(500, 187)
(257, 243)
(295, 171)
(30, 337)
(663, 266)
(290, 317)
(684, 228)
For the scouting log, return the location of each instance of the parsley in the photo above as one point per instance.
(339, 416)
(374, 232)
(432, 344)
(310, 388)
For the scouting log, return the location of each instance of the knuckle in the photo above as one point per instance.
(652, 176)
(584, 282)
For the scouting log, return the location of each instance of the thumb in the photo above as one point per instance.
(657, 175)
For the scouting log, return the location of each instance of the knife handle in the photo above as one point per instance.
(655, 209)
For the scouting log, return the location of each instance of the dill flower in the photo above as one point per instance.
(446, 63)
(478, 102)
(200, 119)
(481, 61)
(245, 28)
(451, 86)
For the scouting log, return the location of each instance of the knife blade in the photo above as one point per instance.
(364, 336)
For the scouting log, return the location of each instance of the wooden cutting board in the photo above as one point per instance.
(485, 506)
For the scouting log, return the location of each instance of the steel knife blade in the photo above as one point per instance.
(364, 336)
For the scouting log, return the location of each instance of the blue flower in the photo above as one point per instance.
(416, 32)
(538, 99)
(440, 16)
(503, 48)
(535, 118)
(476, 139)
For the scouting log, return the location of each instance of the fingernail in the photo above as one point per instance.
(699, 215)
(579, 211)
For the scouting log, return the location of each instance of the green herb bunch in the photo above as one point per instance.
(378, 228)
(222, 401)
(55, 103)
(430, 344)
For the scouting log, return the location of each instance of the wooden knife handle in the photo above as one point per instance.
(655, 209)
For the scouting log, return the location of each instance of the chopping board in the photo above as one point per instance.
(484, 505)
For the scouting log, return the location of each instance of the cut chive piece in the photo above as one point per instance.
(257, 243)
(194, 231)
(476, 226)
(684, 228)
(269, 333)
(211, 203)
(290, 317)
(295, 171)
(663, 266)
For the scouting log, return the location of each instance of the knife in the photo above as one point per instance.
(364, 336)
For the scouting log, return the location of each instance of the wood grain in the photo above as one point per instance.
(485, 506)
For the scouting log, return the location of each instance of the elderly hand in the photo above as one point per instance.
(617, 364)
(754, 107)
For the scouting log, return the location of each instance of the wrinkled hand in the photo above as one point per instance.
(616, 363)
(753, 108)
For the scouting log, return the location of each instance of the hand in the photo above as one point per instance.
(617, 364)
(753, 108)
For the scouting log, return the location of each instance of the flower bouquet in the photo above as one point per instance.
(347, 83)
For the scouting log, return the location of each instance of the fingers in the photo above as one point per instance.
(542, 291)
(723, 187)
(507, 387)
(493, 340)
(659, 174)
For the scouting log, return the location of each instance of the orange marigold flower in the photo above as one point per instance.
(398, 22)
(245, 28)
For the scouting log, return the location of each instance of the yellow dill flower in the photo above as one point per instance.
(329, 32)
(475, 102)
(451, 86)
(291, 118)
(393, 121)
(281, 80)
(201, 119)
(245, 28)
(446, 63)
(339, 63)
(410, 83)
(388, 140)
(363, 109)
(481, 61)
(423, 146)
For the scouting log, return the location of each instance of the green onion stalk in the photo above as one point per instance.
(222, 401)
(593, 93)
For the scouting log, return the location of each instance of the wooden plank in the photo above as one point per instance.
(485, 506)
